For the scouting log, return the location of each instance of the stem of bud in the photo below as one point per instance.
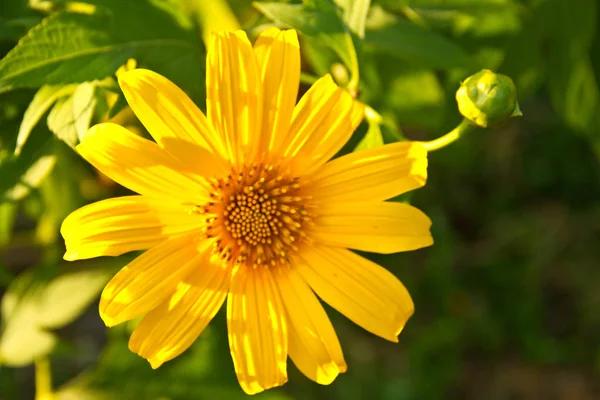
(461, 129)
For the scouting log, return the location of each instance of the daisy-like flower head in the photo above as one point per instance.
(243, 205)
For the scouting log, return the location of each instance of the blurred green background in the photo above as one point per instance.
(506, 300)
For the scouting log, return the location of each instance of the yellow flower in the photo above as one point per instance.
(244, 205)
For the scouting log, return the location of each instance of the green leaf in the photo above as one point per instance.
(417, 99)
(68, 295)
(8, 212)
(576, 96)
(355, 14)
(414, 43)
(476, 18)
(70, 48)
(572, 82)
(27, 282)
(42, 101)
(60, 194)
(71, 116)
(322, 23)
(26, 170)
(372, 139)
(33, 305)
(22, 173)
(22, 342)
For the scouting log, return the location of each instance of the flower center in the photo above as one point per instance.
(257, 216)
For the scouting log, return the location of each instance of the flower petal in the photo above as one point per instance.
(140, 165)
(257, 330)
(146, 281)
(372, 175)
(366, 293)
(173, 120)
(278, 55)
(379, 227)
(115, 226)
(172, 327)
(313, 343)
(233, 93)
(323, 121)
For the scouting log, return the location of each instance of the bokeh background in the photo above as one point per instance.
(506, 300)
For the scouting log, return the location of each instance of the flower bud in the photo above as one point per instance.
(487, 98)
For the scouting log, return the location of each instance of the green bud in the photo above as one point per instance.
(487, 98)
(340, 74)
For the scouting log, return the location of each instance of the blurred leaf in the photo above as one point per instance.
(413, 43)
(27, 170)
(22, 341)
(524, 60)
(576, 96)
(8, 212)
(60, 194)
(68, 295)
(318, 56)
(318, 19)
(71, 116)
(33, 176)
(417, 98)
(476, 18)
(27, 282)
(69, 48)
(42, 101)
(573, 85)
(33, 304)
(355, 14)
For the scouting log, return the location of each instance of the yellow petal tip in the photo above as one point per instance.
(70, 256)
(108, 321)
(154, 363)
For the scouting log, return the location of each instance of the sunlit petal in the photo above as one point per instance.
(370, 175)
(115, 226)
(366, 293)
(149, 279)
(257, 330)
(313, 344)
(322, 123)
(140, 165)
(176, 323)
(173, 120)
(379, 227)
(278, 54)
(234, 93)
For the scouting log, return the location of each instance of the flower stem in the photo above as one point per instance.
(464, 127)
(43, 379)
(352, 86)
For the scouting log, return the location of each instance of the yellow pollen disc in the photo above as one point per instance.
(257, 216)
